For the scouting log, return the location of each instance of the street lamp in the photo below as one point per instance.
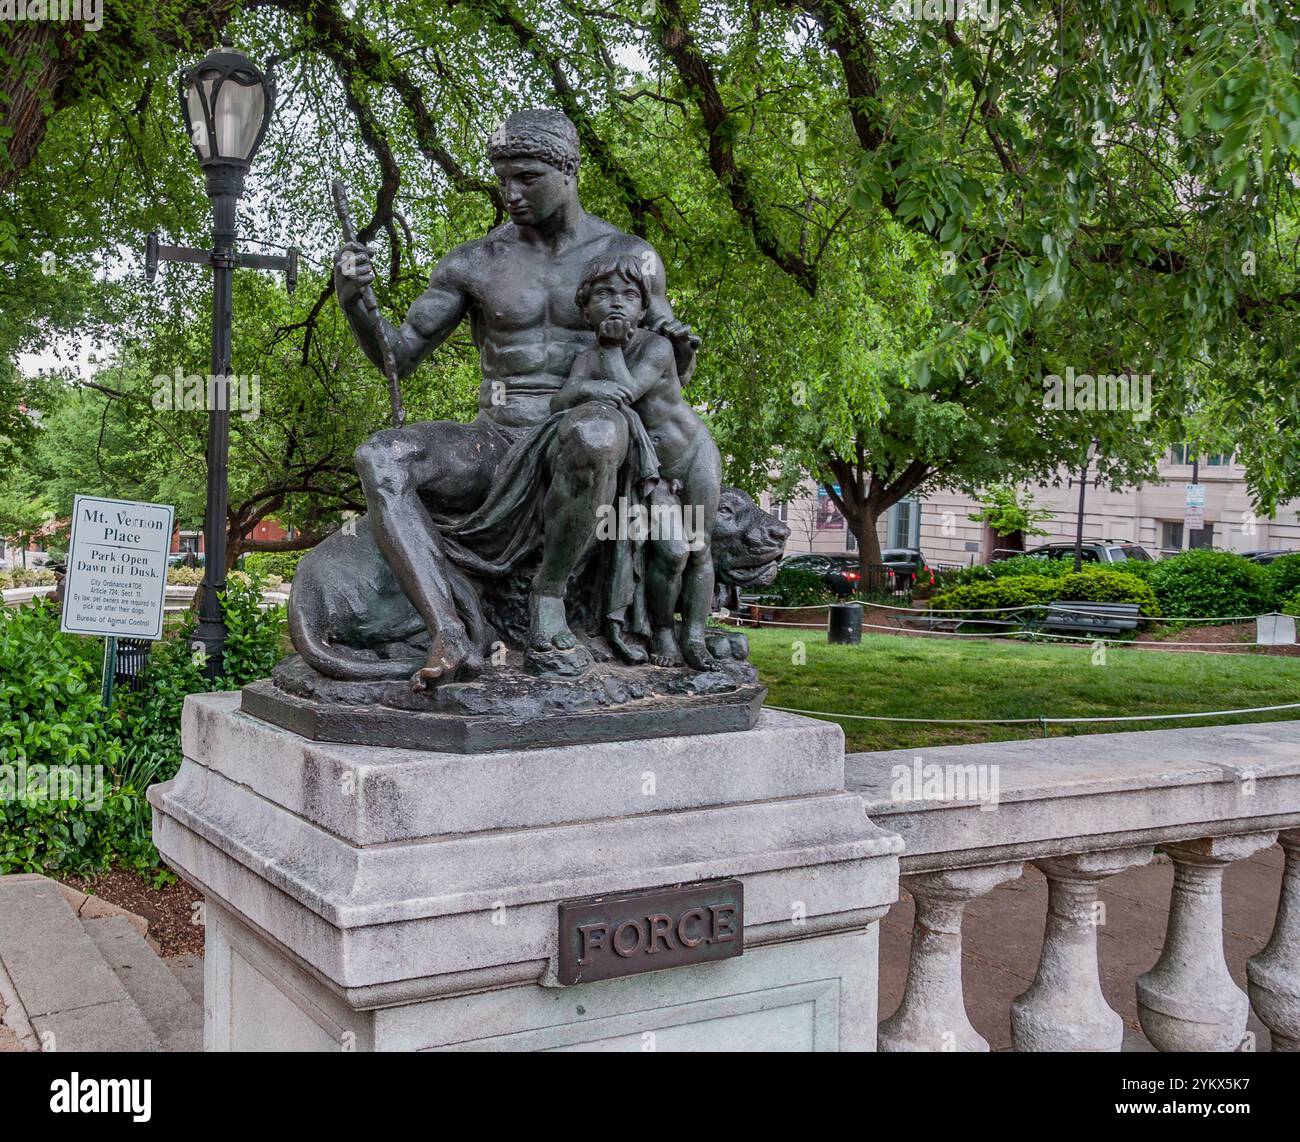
(226, 102)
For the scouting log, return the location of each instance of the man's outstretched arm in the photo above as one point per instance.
(429, 322)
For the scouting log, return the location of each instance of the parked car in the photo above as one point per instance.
(908, 563)
(840, 573)
(1095, 551)
(1266, 556)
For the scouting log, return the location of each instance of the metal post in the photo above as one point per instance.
(225, 184)
(109, 672)
(1196, 472)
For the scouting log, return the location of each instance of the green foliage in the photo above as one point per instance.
(1291, 606)
(1211, 584)
(1284, 574)
(50, 714)
(1104, 585)
(268, 563)
(1095, 585)
(1006, 513)
(999, 596)
(255, 638)
(1007, 568)
(797, 587)
(26, 577)
(184, 576)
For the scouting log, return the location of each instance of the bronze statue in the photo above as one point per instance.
(535, 559)
(516, 286)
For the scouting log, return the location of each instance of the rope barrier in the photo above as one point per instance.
(1081, 639)
(1009, 611)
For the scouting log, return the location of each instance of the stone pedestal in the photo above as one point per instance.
(364, 898)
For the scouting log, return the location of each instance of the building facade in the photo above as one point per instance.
(1151, 515)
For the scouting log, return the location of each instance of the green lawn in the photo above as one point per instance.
(941, 678)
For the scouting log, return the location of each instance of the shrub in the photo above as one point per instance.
(1014, 567)
(1144, 569)
(50, 715)
(1292, 605)
(999, 596)
(1211, 584)
(184, 576)
(31, 577)
(796, 587)
(1104, 585)
(268, 563)
(1095, 585)
(1284, 573)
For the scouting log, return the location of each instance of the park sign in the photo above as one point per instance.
(117, 568)
(1194, 508)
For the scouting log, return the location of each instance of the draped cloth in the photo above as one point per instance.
(506, 530)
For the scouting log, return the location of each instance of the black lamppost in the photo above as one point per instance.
(1083, 482)
(226, 102)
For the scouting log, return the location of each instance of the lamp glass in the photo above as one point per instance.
(238, 118)
(237, 105)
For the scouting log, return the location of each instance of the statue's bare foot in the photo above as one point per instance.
(663, 648)
(632, 652)
(451, 654)
(697, 655)
(549, 628)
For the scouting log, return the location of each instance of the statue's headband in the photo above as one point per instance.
(549, 137)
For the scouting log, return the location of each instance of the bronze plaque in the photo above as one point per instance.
(602, 937)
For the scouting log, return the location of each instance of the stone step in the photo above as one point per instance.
(164, 1001)
(189, 970)
(71, 997)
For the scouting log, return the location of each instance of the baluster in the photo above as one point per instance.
(1064, 1009)
(932, 1016)
(1188, 1001)
(1273, 975)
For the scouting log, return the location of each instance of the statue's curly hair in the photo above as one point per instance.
(537, 134)
(606, 265)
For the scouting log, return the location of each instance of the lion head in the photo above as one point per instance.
(747, 542)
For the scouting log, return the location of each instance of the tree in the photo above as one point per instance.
(797, 163)
(22, 516)
(298, 412)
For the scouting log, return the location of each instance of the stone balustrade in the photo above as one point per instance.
(1082, 809)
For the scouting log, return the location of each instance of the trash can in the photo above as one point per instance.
(845, 623)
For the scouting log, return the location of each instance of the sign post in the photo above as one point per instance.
(116, 582)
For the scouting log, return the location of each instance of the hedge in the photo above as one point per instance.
(1095, 585)
(1212, 584)
(51, 714)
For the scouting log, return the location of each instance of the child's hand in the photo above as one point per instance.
(614, 332)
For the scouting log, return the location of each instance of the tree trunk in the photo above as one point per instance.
(863, 526)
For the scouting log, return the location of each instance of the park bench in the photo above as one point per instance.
(1091, 618)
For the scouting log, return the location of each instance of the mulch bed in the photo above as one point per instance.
(1240, 635)
(170, 910)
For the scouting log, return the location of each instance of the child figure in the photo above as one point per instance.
(637, 369)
